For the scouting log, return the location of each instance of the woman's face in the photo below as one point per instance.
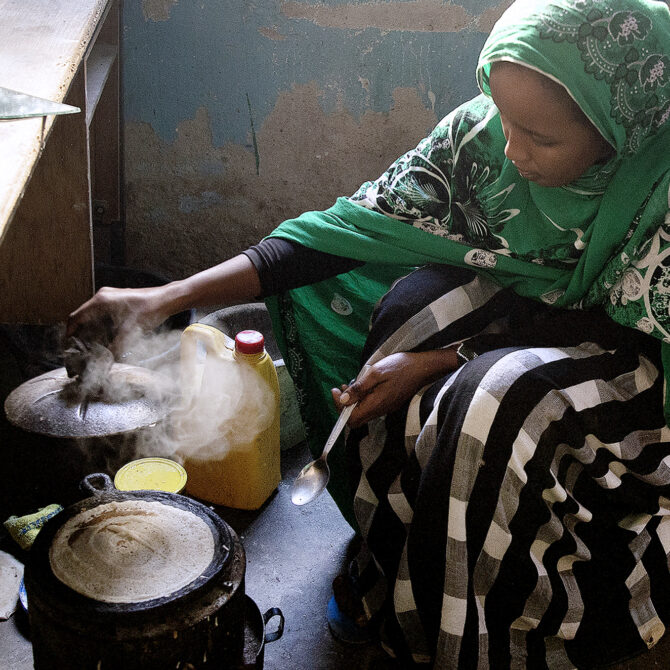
(549, 139)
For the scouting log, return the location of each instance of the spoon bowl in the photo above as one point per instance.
(311, 481)
(314, 477)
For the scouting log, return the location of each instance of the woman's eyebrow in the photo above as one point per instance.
(536, 133)
(530, 131)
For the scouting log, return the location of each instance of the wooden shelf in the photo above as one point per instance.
(99, 64)
(53, 167)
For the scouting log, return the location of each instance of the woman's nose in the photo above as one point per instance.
(514, 148)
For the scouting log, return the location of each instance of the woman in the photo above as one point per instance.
(513, 510)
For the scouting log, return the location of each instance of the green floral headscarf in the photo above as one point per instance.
(613, 58)
(603, 240)
(621, 78)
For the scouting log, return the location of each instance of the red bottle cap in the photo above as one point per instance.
(249, 342)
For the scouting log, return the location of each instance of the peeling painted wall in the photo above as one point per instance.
(241, 113)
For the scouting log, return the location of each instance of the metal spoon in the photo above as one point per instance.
(314, 476)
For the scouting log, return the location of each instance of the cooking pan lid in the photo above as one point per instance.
(54, 404)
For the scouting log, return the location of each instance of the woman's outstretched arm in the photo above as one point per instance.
(122, 310)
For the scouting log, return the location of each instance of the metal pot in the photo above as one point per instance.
(199, 625)
(61, 429)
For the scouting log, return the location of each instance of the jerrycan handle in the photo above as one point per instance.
(216, 343)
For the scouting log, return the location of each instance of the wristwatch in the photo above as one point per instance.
(465, 352)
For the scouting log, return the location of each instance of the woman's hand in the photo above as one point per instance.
(114, 313)
(390, 383)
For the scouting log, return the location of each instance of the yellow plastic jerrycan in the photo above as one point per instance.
(233, 386)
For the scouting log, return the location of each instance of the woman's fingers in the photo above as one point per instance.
(344, 396)
(102, 312)
(337, 395)
(362, 391)
(117, 314)
(349, 393)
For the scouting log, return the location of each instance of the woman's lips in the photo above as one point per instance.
(527, 174)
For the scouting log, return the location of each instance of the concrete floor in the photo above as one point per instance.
(293, 554)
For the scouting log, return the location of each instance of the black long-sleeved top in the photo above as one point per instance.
(283, 265)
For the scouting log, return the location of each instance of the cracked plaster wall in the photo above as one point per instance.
(242, 113)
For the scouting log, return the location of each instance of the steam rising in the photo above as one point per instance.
(213, 403)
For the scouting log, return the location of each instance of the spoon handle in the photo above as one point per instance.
(337, 428)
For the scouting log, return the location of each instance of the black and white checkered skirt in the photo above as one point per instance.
(517, 512)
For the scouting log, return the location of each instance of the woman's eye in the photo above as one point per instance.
(544, 141)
